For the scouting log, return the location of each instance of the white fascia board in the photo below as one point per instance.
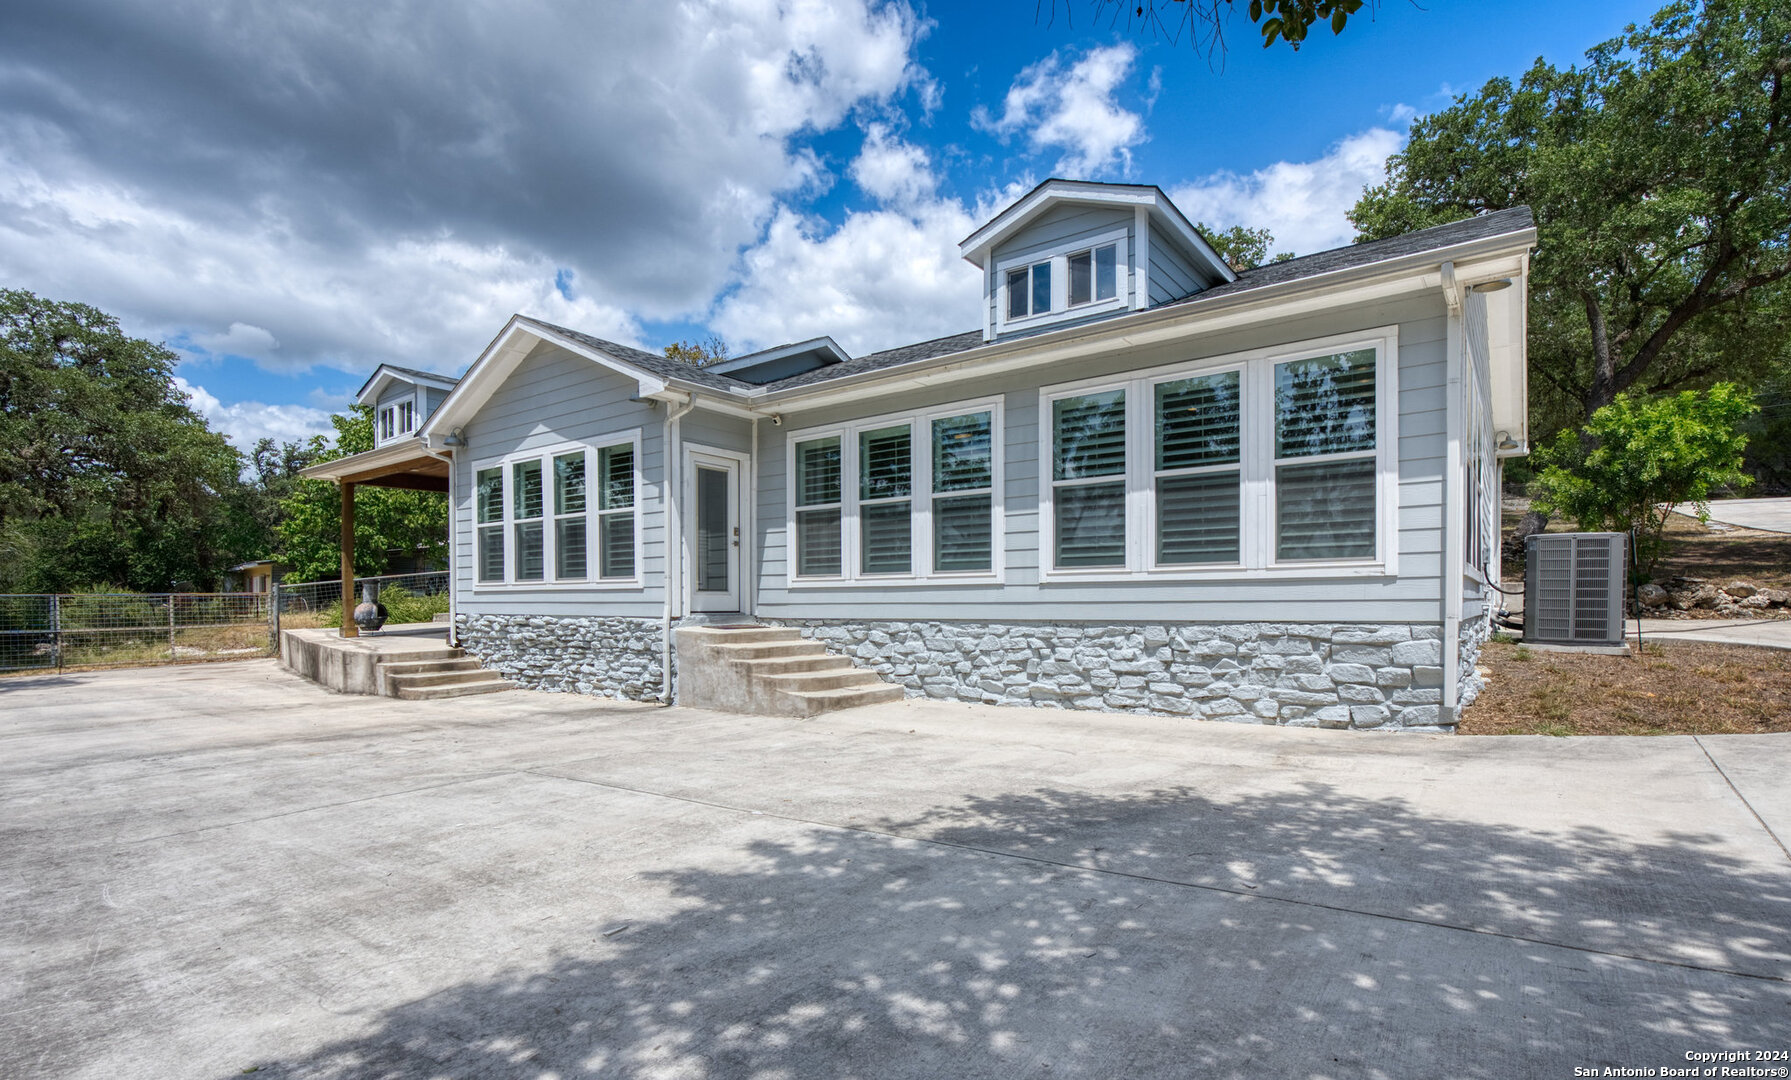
(1475, 260)
(823, 343)
(502, 356)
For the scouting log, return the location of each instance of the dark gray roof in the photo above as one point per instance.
(654, 363)
(920, 350)
(451, 380)
(1497, 223)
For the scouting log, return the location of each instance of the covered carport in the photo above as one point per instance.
(409, 465)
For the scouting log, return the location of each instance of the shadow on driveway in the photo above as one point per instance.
(1054, 933)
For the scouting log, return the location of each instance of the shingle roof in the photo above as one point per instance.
(654, 363)
(415, 373)
(1497, 223)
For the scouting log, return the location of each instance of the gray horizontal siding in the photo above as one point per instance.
(1172, 275)
(555, 397)
(1413, 595)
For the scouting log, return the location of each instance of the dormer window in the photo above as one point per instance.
(1094, 275)
(1029, 290)
(397, 419)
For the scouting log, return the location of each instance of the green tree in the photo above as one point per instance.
(1242, 248)
(107, 476)
(1202, 22)
(1638, 458)
(1661, 183)
(711, 350)
(388, 522)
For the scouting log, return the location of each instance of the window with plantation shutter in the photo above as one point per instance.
(557, 515)
(963, 493)
(1198, 474)
(1269, 460)
(1089, 479)
(818, 547)
(1325, 487)
(488, 518)
(885, 503)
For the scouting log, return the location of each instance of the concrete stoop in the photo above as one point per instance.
(400, 665)
(770, 671)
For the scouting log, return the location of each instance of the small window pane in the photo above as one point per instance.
(888, 536)
(1091, 525)
(569, 548)
(818, 472)
(1016, 294)
(491, 553)
(1325, 511)
(1081, 275)
(1325, 405)
(963, 452)
(530, 565)
(1041, 287)
(615, 539)
(885, 463)
(569, 484)
(1197, 519)
(488, 496)
(1089, 435)
(963, 537)
(1106, 272)
(818, 543)
(616, 463)
(1197, 421)
(526, 498)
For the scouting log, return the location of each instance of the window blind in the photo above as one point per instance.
(962, 452)
(888, 534)
(1091, 525)
(1197, 421)
(818, 472)
(1197, 519)
(1325, 510)
(1089, 435)
(963, 536)
(1325, 405)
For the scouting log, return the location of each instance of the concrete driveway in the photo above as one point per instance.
(215, 869)
(1767, 515)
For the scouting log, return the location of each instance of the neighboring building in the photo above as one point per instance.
(1144, 483)
(259, 576)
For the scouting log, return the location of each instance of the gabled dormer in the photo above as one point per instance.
(1074, 250)
(769, 365)
(402, 398)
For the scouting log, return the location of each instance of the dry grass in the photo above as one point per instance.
(1671, 688)
(1717, 556)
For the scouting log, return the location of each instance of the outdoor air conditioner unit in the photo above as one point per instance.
(1573, 589)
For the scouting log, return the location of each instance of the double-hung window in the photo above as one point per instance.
(1087, 275)
(533, 517)
(1275, 460)
(897, 499)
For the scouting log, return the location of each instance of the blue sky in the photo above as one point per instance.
(347, 190)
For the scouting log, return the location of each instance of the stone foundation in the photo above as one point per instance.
(605, 655)
(1335, 676)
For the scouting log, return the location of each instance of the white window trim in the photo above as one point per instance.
(921, 500)
(1058, 256)
(593, 553)
(390, 408)
(1257, 445)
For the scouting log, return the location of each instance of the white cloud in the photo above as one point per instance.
(351, 191)
(246, 422)
(1071, 107)
(885, 277)
(1302, 203)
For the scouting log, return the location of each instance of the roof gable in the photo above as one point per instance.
(386, 374)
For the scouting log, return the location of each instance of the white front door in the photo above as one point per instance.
(712, 492)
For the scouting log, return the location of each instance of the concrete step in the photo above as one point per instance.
(490, 684)
(813, 702)
(475, 673)
(725, 635)
(771, 650)
(825, 680)
(421, 667)
(819, 662)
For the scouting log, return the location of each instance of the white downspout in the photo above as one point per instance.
(674, 543)
(1454, 510)
(453, 549)
(749, 575)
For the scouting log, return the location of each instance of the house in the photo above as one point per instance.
(255, 576)
(1146, 482)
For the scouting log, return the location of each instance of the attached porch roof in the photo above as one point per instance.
(404, 464)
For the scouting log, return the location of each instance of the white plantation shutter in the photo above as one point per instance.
(1088, 438)
(885, 512)
(1325, 408)
(818, 547)
(1197, 427)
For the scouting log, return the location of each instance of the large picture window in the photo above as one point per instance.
(1274, 460)
(533, 517)
(904, 499)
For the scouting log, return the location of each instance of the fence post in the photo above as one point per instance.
(273, 617)
(56, 629)
(171, 653)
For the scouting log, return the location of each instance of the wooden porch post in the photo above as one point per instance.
(349, 629)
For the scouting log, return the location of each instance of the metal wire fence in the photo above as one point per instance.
(409, 598)
(56, 631)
